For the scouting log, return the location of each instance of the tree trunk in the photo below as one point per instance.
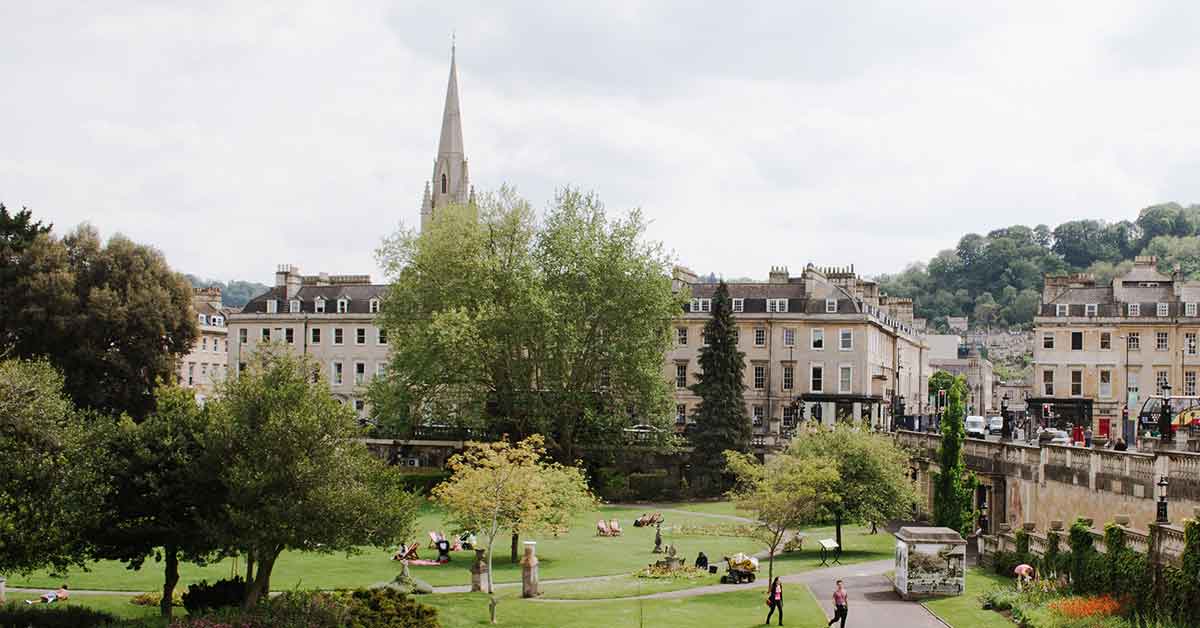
(516, 540)
(262, 581)
(837, 522)
(249, 566)
(170, 579)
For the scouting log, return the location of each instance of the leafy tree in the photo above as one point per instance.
(954, 486)
(45, 493)
(872, 471)
(505, 486)
(296, 477)
(234, 293)
(166, 492)
(554, 328)
(721, 422)
(566, 494)
(784, 494)
(17, 232)
(112, 318)
(940, 380)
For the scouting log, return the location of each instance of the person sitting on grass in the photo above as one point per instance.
(51, 597)
(1024, 573)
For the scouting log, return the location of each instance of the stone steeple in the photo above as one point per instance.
(451, 183)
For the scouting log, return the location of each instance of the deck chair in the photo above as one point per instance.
(602, 528)
(406, 552)
(614, 528)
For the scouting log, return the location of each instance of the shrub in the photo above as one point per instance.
(612, 484)
(388, 608)
(423, 481)
(362, 608)
(647, 486)
(999, 598)
(66, 616)
(153, 599)
(223, 593)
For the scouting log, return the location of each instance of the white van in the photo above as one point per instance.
(976, 427)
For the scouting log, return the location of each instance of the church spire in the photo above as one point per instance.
(451, 182)
(452, 141)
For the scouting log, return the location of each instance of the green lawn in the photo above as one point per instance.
(713, 508)
(964, 611)
(578, 553)
(733, 610)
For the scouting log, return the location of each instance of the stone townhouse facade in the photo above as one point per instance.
(208, 362)
(330, 318)
(825, 345)
(1101, 348)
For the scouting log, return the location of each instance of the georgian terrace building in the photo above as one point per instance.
(825, 342)
(208, 361)
(1101, 347)
(330, 318)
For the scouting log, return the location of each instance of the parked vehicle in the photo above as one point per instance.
(1051, 436)
(995, 425)
(976, 427)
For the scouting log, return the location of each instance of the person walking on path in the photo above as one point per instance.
(775, 600)
(840, 607)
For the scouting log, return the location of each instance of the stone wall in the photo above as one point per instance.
(1040, 485)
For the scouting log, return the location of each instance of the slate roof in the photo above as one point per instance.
(756, 295)
(359, 296)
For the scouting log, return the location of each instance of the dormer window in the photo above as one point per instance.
(1163, 310)
(319, 305)
(219, 321)
(272, 306)
(831, 306)
(1061, 309)
(1135, 309)
(739, 305)
(294, 306)
(1090, 309)
(343, 306)
(777, 305)
(701, 305)
(203, 319)
(1189, 309)
(373, 306)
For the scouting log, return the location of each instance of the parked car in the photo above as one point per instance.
(976, 427)
(995, 425)
(1051, 436)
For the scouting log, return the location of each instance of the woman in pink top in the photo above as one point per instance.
(840, 608)
(775, 600)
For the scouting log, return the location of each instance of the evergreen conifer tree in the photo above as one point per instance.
(721, 422)
(954, 487)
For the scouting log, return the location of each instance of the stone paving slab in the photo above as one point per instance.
(874, 603)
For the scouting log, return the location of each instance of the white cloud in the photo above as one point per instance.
(238, 136)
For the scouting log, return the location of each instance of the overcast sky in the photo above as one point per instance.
(237, 136)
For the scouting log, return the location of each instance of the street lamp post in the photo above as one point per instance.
(1007, 428)
(1165, 433)
(1163, 482)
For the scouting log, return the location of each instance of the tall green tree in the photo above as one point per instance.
(721, 422)
(784, 494)
(297, 478)
(556, 327)
(954, 485)
(46, 493)
(873, 484)
(18, 230)
(166, 496)
(113, 318)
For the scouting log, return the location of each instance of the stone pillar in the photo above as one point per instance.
(829, 413)
(856, 411)
(529, 571)
(479, 571)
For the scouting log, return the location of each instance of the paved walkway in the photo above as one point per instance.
(873, 602)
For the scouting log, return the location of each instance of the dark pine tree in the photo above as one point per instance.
(721, 421)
